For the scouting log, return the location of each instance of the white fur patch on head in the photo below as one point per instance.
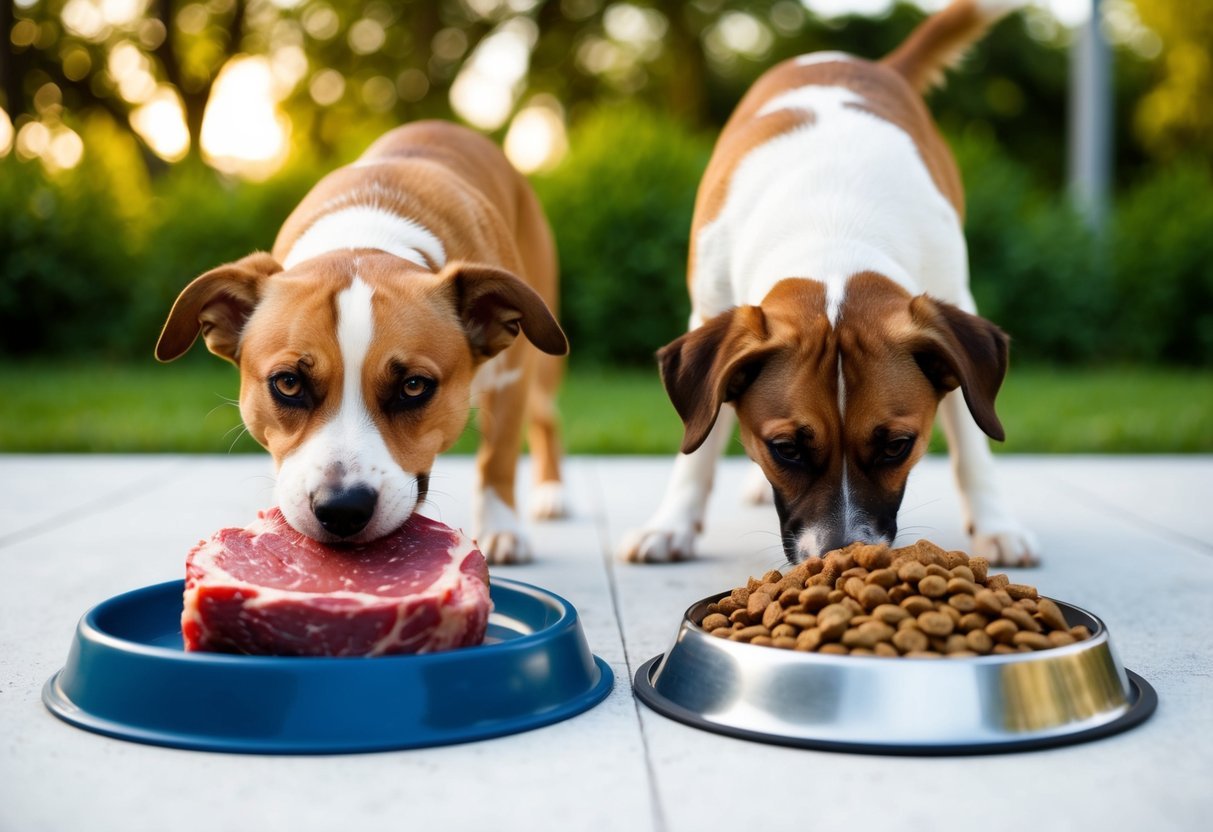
(826, 57)
(365, 226)
(348, 451)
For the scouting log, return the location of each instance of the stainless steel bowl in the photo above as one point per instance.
(897, 706)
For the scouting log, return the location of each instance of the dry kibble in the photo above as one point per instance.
(910, 640)
(1018, 591)
(912, 572)
(935, 623)
(1037, 641)
(1050, 614)
(979, 641)
(933, 586)
(889, 613)
(962, 603)
(784, 631)
(1002, 630)
(1022, 619)
(872, 596)
(918, 601)
(771, 615)
(915, 605)
(963, 571)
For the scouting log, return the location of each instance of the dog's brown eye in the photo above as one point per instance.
(287, 385)
(785, 450)
(896, 449)
(415, 386)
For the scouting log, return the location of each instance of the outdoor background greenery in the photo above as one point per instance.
(1112, 328)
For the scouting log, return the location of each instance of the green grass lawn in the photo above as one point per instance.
(188, 407)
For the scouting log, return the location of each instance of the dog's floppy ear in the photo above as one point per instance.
(711, 365)
(494, 306)
(217, 304)
(957, 349)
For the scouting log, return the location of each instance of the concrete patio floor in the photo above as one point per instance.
(1130, 538)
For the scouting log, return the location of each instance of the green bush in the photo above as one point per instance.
(620, 205)
(1161, 251)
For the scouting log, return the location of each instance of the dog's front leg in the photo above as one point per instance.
(670, 533)
(997, 533)
(497, 529)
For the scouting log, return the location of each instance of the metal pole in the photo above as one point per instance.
(1090, 129)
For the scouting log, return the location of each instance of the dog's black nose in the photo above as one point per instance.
(345, 512)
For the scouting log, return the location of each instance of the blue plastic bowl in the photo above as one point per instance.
(127, 676)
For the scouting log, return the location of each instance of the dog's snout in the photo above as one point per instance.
(344, 512)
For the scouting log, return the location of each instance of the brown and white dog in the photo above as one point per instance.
(831, 307)
(394, 294)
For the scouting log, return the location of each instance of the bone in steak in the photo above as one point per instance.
(268, 590)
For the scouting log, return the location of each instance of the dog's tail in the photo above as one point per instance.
(942, 39)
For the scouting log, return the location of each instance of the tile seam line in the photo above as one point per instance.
(1095, 501)
(125, 494)
(659, 815)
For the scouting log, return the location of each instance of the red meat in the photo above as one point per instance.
(268, 590)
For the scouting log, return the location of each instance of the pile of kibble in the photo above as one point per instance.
(869, 600)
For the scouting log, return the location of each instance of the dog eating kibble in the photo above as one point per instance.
(919, 601)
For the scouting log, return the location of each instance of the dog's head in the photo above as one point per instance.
(355, 371)
(835, 405)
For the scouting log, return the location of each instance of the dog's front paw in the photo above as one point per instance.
(548, 501)
(505, 547)
(1007, 546)
(659, 545)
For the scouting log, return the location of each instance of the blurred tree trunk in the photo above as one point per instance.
(14, 95)
(686, 85)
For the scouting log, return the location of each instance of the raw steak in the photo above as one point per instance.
(268, 590)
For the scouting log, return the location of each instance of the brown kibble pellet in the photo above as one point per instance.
(988, 602)
(722, 632)
(1027, 605)
(784, 631)
(883, 578)
(963, 571)
(872, 596)
(750, 632)
(889, 613)
(1051, 615)
(1080, 632)
(836, 595)
(801, 620)
(1002, 649)
(854, 586)
(980, 568)
(833, 649)
(876, 556)
(714, 621)
(912, 572)
(1036, 641)
(885, 650)
(910, 640)
(771, 616)
(814, 597)
(783, 642)
(789, 597)
(1023, 620)
(936, 569)
(762, 641)
(935, 623)
(855, 572)
(831, 627)
(953, 559)
(1018, 591)
(979, 641)
(916, 605)
(813, 566)
(741, 596)
(973, 621)
(809, 640)
(727, 606)
(963, 603)
(923, 654)
(997, 582)
(1060, 638)
(774, 576)
(741, 617)
(933, 586)
(1002, 630)
(950, 611)
(908, 622)
(961, 586)
(1001, 595)
(927, 552)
